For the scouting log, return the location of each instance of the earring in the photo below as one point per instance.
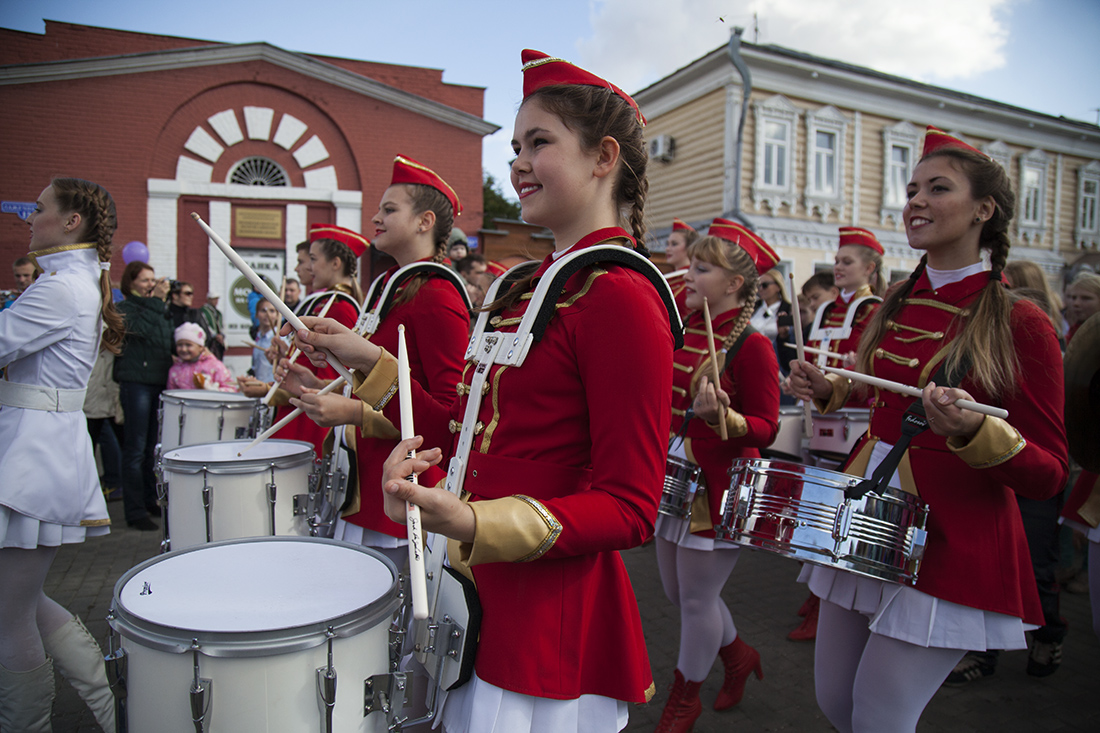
(978, 220)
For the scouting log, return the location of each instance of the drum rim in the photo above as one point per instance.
(915, 502)
(235, 464)
(207, 399)
(260, 643)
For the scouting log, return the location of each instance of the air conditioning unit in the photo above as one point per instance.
(662, 148)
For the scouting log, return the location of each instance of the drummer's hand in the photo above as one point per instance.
(349, 348)
(785, 386)
(711, 404)
(850, 360)
(944, 418)
(277, 350)
(297, 377)
(329, 410)
(252, 387)
(440, 510)
(807, 382)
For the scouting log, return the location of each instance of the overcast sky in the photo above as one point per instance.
(1036, 54)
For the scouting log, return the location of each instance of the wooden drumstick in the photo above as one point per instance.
(293, 353)
(338, 382)
(915, 392)
(266, 291)
(714, 370)
(417, 572)
(807, 417)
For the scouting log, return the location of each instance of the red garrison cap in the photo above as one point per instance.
(356, 242)
(862, 237)
(762, 255)
(679, 225)
(407, 170)
(541, 70)
(935, 138)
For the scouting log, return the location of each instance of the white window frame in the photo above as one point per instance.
(902, 135)
(1087, 234)
(780, 110)
(999, 152)
(1032, 229)
(823, 203)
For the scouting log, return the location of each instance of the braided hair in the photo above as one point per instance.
(97, 210)
(332, 249)
(985, 338)
(734, 260)
(595, 113)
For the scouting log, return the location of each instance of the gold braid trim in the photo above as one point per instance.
(952, 309)
(921, 333)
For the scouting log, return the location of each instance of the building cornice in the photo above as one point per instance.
(189, 58)
(802, 76)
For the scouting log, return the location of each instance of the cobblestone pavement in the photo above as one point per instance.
(763, 599)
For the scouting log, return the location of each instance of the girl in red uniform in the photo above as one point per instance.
(334, 254)
(412, 225)
(568, 448)
(884, 649)
(694, 566)
(682, 236)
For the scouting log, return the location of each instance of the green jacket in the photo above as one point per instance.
(147, 350)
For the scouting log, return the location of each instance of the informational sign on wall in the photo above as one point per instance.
(235, 306)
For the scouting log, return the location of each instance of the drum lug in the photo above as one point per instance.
(272, 491)
(201, 693)
(116, 663)
(182, 420)
(207, 502)
(842, 521)
(326, 683)
(221, 422)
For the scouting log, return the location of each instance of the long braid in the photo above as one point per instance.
(96, 206)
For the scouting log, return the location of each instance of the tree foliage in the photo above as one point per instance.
(496, 205)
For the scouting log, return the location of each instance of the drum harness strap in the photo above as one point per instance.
(913, 423)
(818, 332)
(370, 316)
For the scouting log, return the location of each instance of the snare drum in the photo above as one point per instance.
(682, 479)
(836, 434)
(788, 441)
(190, 416)
(801, 512)
(253, 635)
(214, 494)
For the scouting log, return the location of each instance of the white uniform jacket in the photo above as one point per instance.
(49, 338)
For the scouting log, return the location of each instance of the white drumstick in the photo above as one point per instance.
(338, 382)
(715, 371)
(265, 290)
(914, 392)
(812, 350)
(796, 315)
(294, 354)
(417, 573)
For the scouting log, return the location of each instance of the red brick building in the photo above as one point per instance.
(259, 141)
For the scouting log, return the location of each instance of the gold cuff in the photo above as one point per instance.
(375, 425)
(736, 424)
(280, 398)
(510, 529)
(995, 442)
(842, 387)
(380, 384)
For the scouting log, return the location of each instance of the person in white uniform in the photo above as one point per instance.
(49, 340)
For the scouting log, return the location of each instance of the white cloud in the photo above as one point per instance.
(636, 42)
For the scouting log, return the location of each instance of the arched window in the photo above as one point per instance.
(258, 172)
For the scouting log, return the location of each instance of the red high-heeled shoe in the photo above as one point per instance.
(683, 707)
(740, 661)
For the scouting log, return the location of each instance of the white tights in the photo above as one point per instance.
(868, 683)
(693, 581)
(26, 613)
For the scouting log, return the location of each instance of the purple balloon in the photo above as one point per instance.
(135, 251)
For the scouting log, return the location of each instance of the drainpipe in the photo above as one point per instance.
(746, 91)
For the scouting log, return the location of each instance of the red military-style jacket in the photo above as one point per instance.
(345, 310)
(976, 552)
(676, 284)
(437, 326)
(834, 316)
(566, 469)
(752, 420)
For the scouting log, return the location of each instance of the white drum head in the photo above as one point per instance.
(255, 586)
(206, 398)
(227, 451)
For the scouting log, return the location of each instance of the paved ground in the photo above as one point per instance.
(763, 598)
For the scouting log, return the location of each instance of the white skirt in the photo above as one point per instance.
(26, 533)
(479, 707)
(907, 614)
